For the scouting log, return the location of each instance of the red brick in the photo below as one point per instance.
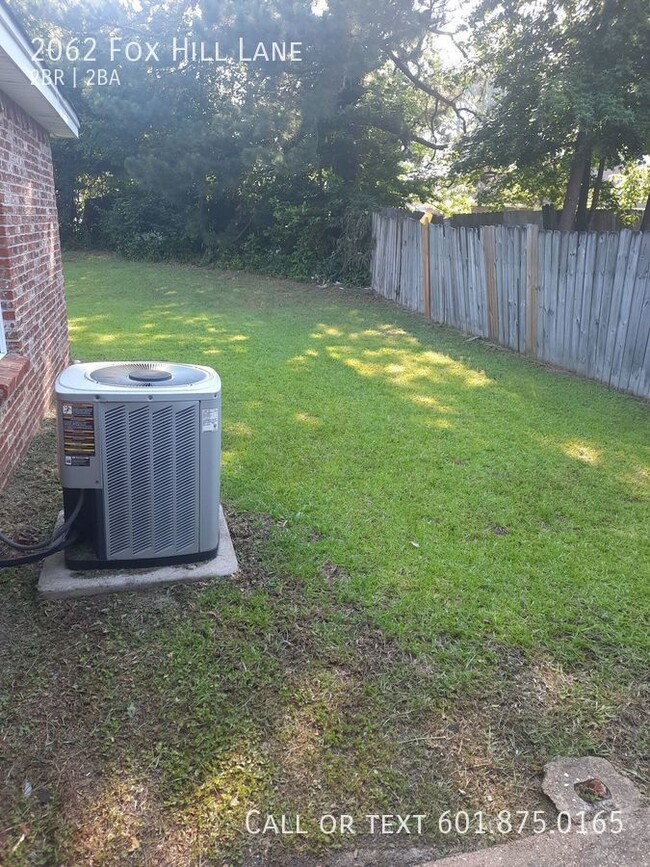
(31, 283)
(12, 371)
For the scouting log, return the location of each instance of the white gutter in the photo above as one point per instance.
(39, 100)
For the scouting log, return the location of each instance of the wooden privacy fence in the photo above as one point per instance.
(577, 300)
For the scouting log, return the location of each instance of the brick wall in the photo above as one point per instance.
(31, 282)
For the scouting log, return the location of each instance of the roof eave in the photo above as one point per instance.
(22, 82)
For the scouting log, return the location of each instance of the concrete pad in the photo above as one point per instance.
(57, 581)
(561, 776)
(630, 848)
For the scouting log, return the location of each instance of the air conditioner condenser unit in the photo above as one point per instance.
(141, 443)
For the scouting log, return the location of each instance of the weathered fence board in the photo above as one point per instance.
(634, 349)
(585, 307)
(577, 300)
(531, 295)
(596, 311)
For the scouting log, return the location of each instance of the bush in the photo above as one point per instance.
(319, 237)
(140, 225)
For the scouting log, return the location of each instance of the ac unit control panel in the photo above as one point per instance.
(79, 465)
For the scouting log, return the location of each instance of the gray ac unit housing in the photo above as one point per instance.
(142, 441)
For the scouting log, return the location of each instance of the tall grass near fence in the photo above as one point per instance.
(577, 300)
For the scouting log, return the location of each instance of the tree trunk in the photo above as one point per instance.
(581, 214)
(645, 221)
(595, 196)
(572, 195)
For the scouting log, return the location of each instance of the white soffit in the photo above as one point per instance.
(40, 101)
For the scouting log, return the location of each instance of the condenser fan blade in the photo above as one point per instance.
(143, 374)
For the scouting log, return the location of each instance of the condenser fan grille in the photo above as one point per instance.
(144, 374)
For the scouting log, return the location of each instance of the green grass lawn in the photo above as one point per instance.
(445, 579)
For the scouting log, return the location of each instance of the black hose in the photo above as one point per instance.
(46, 543)
(60, 539)
(40, 555)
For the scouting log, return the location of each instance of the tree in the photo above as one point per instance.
(245, 159)
(571, 79)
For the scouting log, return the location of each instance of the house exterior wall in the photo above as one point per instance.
(31, 282)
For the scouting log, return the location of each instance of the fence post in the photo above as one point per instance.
(489, 257)
(532, 285)
(426, 263)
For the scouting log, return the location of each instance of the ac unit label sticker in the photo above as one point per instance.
(78, 433)
(209, 419)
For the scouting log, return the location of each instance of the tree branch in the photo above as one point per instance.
(429, 144)
(450, 102)
(404, 135)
